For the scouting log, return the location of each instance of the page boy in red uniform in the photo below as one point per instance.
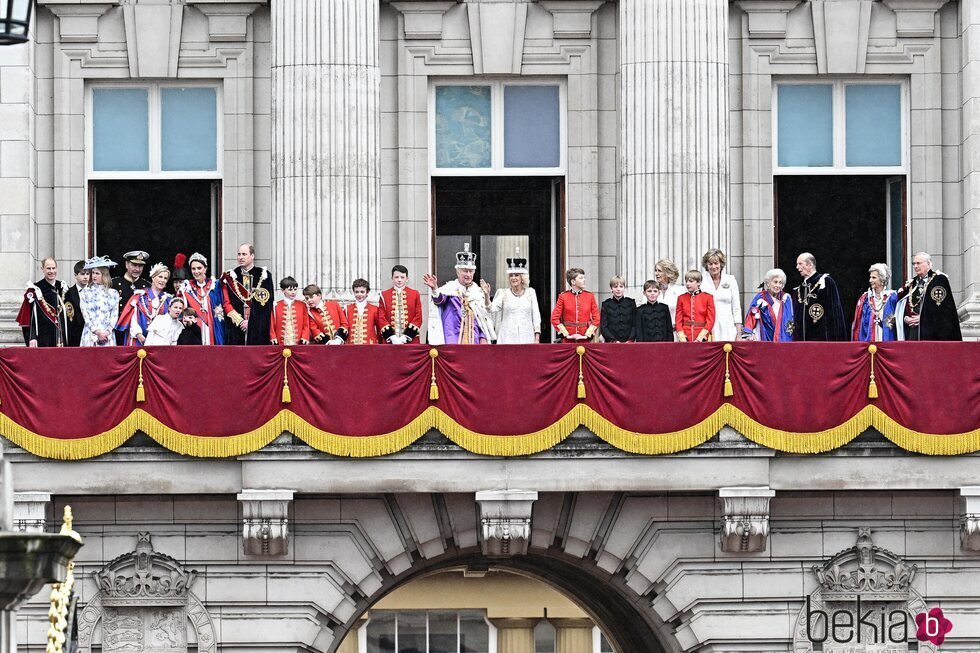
(576, 313)
(695, 314)
(368, 325)
(402, 306)
(290, 322)
(328, 322)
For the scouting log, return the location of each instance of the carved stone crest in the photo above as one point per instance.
(144, 604)
(865, 604)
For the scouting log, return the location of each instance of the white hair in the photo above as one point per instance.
(924, 255)
(882, 271)
(772, 274)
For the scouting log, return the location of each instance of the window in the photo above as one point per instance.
(497, 128)
(840, 127)
(544, 637)
(432, 631)
(154, 130)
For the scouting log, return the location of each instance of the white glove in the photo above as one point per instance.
(336, 340)
(397, 340)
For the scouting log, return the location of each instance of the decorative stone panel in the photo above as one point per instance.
(30, 511)
(970, 518)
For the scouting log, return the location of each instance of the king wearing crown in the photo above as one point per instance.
(458, 313)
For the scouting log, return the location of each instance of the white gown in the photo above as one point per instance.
(517, 318)
(728, 306)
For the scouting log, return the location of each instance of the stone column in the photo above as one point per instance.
(674, 131)
(970, 156)
(515, 635)
(573, 635)
(326, 174)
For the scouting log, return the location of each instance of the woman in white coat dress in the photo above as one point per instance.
(724, 288)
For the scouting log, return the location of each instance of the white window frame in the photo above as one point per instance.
(491, 629)
(155, 137)
(838, 106)
(497, 168)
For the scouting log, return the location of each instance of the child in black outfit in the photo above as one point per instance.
(191, 335)
(653, 318)
(618, 313)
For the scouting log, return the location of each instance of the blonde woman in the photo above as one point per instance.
(99, 304)
(666, 274)
(515, 309)
(724, 288)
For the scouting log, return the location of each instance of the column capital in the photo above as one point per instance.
(265, 521)
(745, 518)
(505, 517)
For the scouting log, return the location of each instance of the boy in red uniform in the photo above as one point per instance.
(328, 322)
(368, 325)
(290, 322)
(402, 307)
(695, 314)
(576, 313)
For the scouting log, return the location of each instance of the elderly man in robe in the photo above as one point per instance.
(458, 309)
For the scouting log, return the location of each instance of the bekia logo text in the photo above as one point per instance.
(874, 625)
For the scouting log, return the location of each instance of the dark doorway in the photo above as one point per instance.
(847, 223)
(494, 214)
(160, 217)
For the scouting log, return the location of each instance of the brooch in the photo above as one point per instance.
(816, 312)
(938, 294)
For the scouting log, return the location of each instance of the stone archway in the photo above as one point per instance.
(625, 617)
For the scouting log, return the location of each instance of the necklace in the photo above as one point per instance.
(517, 294)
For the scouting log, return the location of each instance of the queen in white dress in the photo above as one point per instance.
(99, 304)
(515, 309)
(665, 273)
(728, 302)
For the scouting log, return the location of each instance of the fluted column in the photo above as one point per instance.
(970, 35)
(674, 131)
(326, 92)
(515, 635)
(573, 635)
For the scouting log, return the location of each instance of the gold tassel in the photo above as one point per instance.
(286, 397)
(140, 392)
(580, 350)
(729, 391)
(61, 594)
(872, 386)
(433, 388)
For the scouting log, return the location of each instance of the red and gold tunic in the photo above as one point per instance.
(576, 312)
(327, 321)
(695, 316)
(403, 310)
(369, 326)
(290, 323)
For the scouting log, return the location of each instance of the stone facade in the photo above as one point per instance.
(639, 543)
(364, 171)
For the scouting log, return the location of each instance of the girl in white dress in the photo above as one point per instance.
(515, 309)
(99, 304)
(728, 302)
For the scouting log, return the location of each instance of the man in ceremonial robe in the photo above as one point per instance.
(402, 306)
(576, 313)
(128, 284)
(73, 306)
(925, 309)
(817, 308)
(328, 321)
(458, 309)
(43, 312)
(694, 317)
(248, 292)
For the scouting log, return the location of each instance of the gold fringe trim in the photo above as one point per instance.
(924, 443)
(490, 445)
(793, 442)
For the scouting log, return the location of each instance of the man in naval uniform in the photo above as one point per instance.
(43, 311)
(926, 310)
(128, 284)
(817, 309)
(458, 310)
(247, 293)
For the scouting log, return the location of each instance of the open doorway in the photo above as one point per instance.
(160, 217)
(495, 215)
(848, 222)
